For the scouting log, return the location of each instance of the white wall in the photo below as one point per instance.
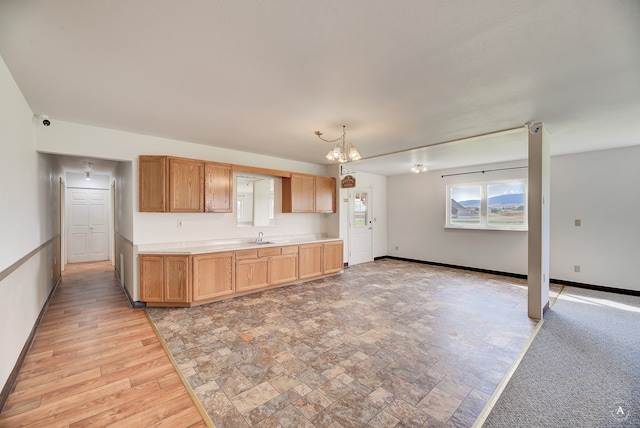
(29, 197)
(71, 139)
(416, 206)
(602, 189)
(599, 188)
(377, 186)
(124, 207)
(78, 179)
(126, 195)
(18, 174)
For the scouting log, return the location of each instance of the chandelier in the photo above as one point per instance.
(418, 168)
(342, 151)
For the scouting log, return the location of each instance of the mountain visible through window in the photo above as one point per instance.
(492, 205)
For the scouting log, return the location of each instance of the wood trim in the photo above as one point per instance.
(257, 170)
(13, 376)
(124, 239)
(8, 271)
(183, 379)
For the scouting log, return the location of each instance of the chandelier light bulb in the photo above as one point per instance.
(337, 151)
(353, 154)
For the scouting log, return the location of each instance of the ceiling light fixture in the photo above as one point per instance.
(88, 166)
(418, 168)
(342, 151)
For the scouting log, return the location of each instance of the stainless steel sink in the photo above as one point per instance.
(263, 242)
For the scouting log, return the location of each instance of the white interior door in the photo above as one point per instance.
(88, 225)
(360, 227)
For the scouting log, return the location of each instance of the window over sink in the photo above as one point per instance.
(255, 200)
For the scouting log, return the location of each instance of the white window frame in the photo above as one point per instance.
(484, 225)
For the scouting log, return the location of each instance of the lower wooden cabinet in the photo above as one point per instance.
(213, 275)
(284, 268)
(152, 278)
(164, 279)
(333, 257)
(252, 273)
(182, 280)
(310, 256)
(176, 279)
(266, 266)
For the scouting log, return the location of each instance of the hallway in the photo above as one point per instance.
(96, 362)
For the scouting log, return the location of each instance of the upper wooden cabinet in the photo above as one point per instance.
(153, 188)
(325, 194)
(171, 184)
(186, 185)
(218, 188)
(303, 193)
(298, 193)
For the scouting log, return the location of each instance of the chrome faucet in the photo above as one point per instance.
(260, 235)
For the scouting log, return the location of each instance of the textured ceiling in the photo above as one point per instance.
(261, 76)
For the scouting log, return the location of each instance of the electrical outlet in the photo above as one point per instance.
(396, 248)
(576, 222)
(179, 224)
(576, 268)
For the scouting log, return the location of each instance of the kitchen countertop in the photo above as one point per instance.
(204, 247)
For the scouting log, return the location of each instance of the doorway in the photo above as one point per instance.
(360, 227)
(88, 225)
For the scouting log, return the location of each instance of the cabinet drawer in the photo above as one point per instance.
(293, 249)
(246, 254)
(271, 251)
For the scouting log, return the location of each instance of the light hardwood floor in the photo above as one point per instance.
(96, 362)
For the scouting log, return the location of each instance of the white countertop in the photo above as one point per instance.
(203, 247)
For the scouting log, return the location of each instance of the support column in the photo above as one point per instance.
(538, 217)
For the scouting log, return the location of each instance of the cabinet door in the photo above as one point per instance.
(151, 278)
(333, 257)
(218, 188)
(298, 194)
(152, 184)
(213, 275)
(252, 273)
(186, 185)
(325, 195)
(309, 260)
(283, 269)
(176, 279)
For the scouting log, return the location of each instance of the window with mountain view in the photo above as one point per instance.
(465, 205)
(491, 205)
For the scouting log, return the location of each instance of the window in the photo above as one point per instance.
(491, 205)
(360, 210)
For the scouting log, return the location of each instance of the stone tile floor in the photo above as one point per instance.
(387, 343)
